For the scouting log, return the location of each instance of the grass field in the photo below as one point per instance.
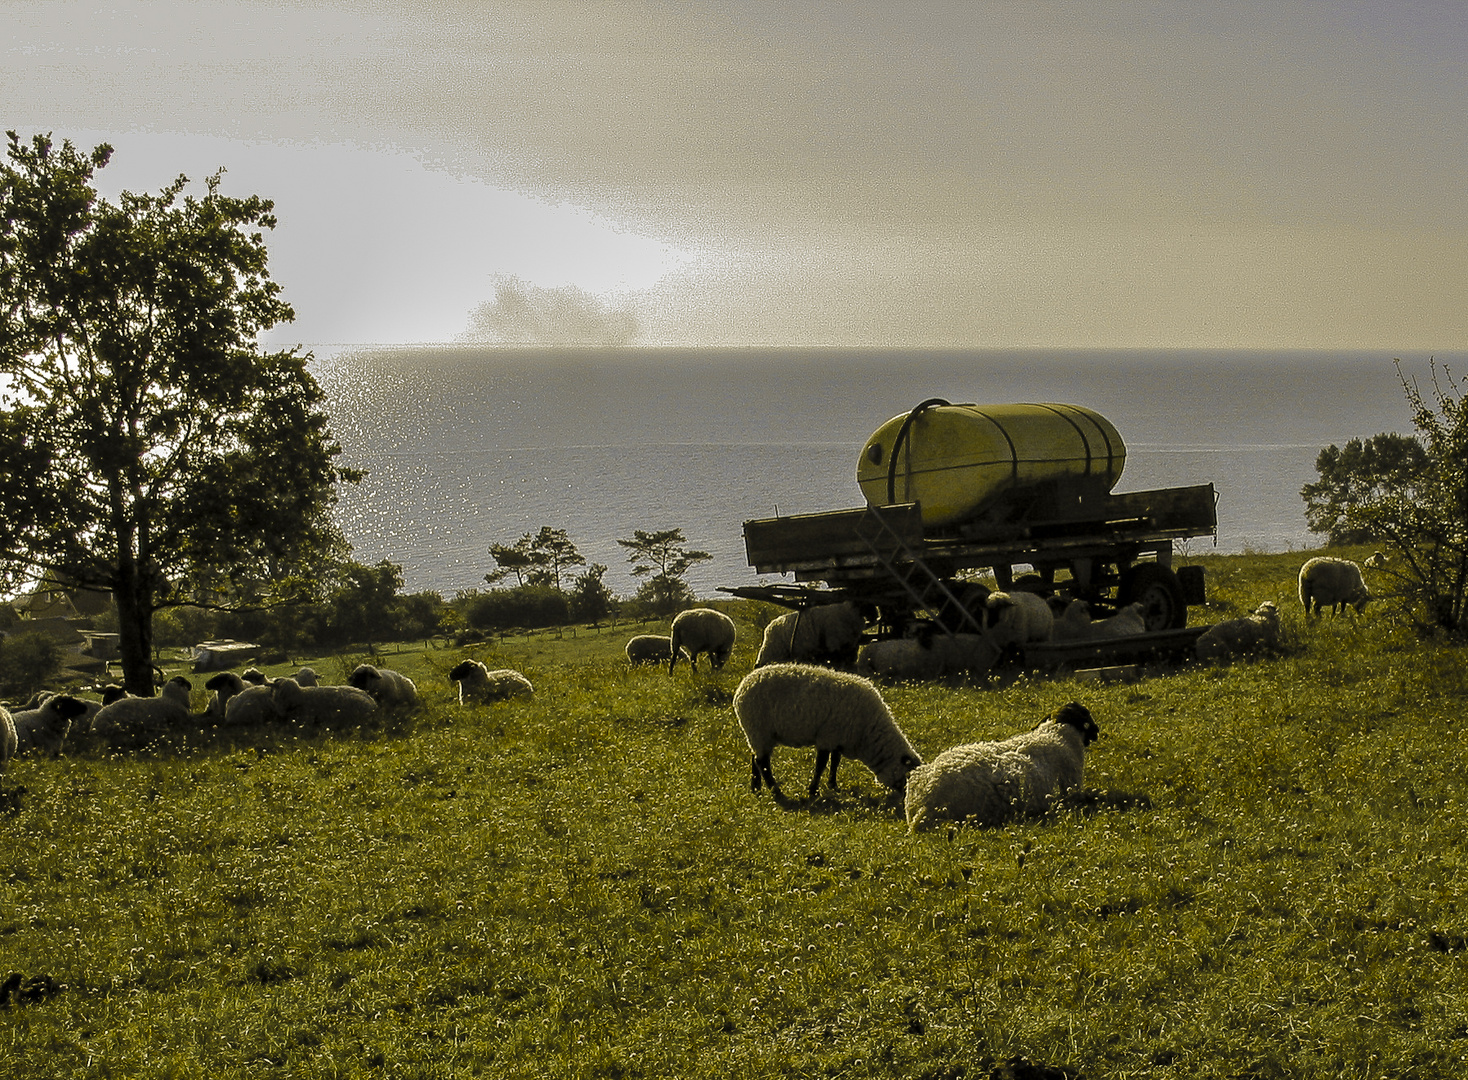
(583, 885)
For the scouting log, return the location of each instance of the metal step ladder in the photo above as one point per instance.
(927, 590)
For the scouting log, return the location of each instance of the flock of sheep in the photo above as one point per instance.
(795, 696)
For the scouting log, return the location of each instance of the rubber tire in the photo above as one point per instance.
(1157, 589)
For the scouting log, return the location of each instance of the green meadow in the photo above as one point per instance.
(1271, 880)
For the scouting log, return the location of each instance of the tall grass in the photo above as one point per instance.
(583, 885)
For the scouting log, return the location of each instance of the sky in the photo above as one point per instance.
(968, 174)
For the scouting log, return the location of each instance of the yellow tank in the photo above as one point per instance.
(958, 461)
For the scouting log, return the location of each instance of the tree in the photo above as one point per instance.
(664, 556)
(541, 559)
(1424, 524)
(150, 448)
(1360, 474)
(591, 597)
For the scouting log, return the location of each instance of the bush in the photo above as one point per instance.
(28, 662)
(529, 606)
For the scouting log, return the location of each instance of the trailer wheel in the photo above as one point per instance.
(1159, 592)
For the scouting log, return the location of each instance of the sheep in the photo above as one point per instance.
(308, 677)
(252, 706)
(827, 633)
(988, 783)
(649, 649)
(929, 656)
(45, 728)
(1130, 620)
(132, 721)
(1256, 632)
(255, 677)
(1074, 623)
(478, 683)
(387, 687)
(8, 739)
(320, 706)
(225, 685)
(1333, 583)
(701, 630)
(1017, 618)
(836, 712)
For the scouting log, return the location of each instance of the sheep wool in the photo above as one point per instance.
(45, 729)
(1017, 618)
(834, 711)
(701, 630)
(131, 722)
(8, 739)
(827, 633)
(1332, 583)
(387, 687)
(929, 656)
(252, 706)
(320, 706)
(1074, 623)
(1258, 632)
(649, 649)
(224, 686)
(989, 783)
(478, 684)
(1130, 620)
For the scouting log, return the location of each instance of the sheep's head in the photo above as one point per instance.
(65, 707)
(363, 676)
(895, 775)
(466, 669)
(255, 676)
(1079, 717)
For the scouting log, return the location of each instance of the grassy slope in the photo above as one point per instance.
(583, 885)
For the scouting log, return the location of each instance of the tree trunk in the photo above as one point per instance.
(133, 595)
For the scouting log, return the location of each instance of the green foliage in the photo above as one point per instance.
(150, 449)
(591, 598)
(1424, 524)
(528, 606)
(1357, 476)
(665, 556)
(583, 885)
(541, 559)
(29, 661)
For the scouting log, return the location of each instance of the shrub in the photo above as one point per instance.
(28, 662)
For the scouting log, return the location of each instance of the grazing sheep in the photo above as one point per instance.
(990, 782)
(478, 683)
(225, 685)
(928, 656)
(1258, 632)
(837, 713)
(1332, 583)
(320, 706)
(1074, 623)
(701, 630)
(1017, 618)
(387, 687)
(251, 707)
(135, 721)
(8, 739)
(649, 649)
(828, 633)
(46, 728)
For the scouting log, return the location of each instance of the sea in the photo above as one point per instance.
(465, 447)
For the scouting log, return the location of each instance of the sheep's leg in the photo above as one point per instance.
(762, 770)
(822, 756)
(835, 760)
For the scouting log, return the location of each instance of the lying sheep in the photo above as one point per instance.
(837, 713)
(1017, 618)
(251, 707)
(224, 686)
(1258, 632)
(928, 656)
(988, 783)
(320, 706)
(478, 683)
(255, 677)
(827, 633)
(1074, 623)
(134, 721)
(8, 739)
(387, 687)
(649, 649)
(1332, 583)
(1130, 620)
(45, 728)
(701, 630)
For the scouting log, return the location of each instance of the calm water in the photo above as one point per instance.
(465, 448)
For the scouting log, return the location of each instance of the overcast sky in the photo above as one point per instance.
(1261, 174)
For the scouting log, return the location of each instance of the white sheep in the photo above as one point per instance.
(8, 739)
(1258, 632)
(649, 649)
(45, 728)
(224, 686)
(701, 630)
(255, 677)
(827, 633)
(928, 656)
(836, 712)
(1017, 618)
(1074, 623)
(137, 720)
(988, 783)
(387, 687)
(1130, 620)
(478, 683)
(320, 706)
(251, 707)
(1332, 583)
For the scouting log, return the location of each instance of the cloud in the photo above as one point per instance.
(523, 314)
